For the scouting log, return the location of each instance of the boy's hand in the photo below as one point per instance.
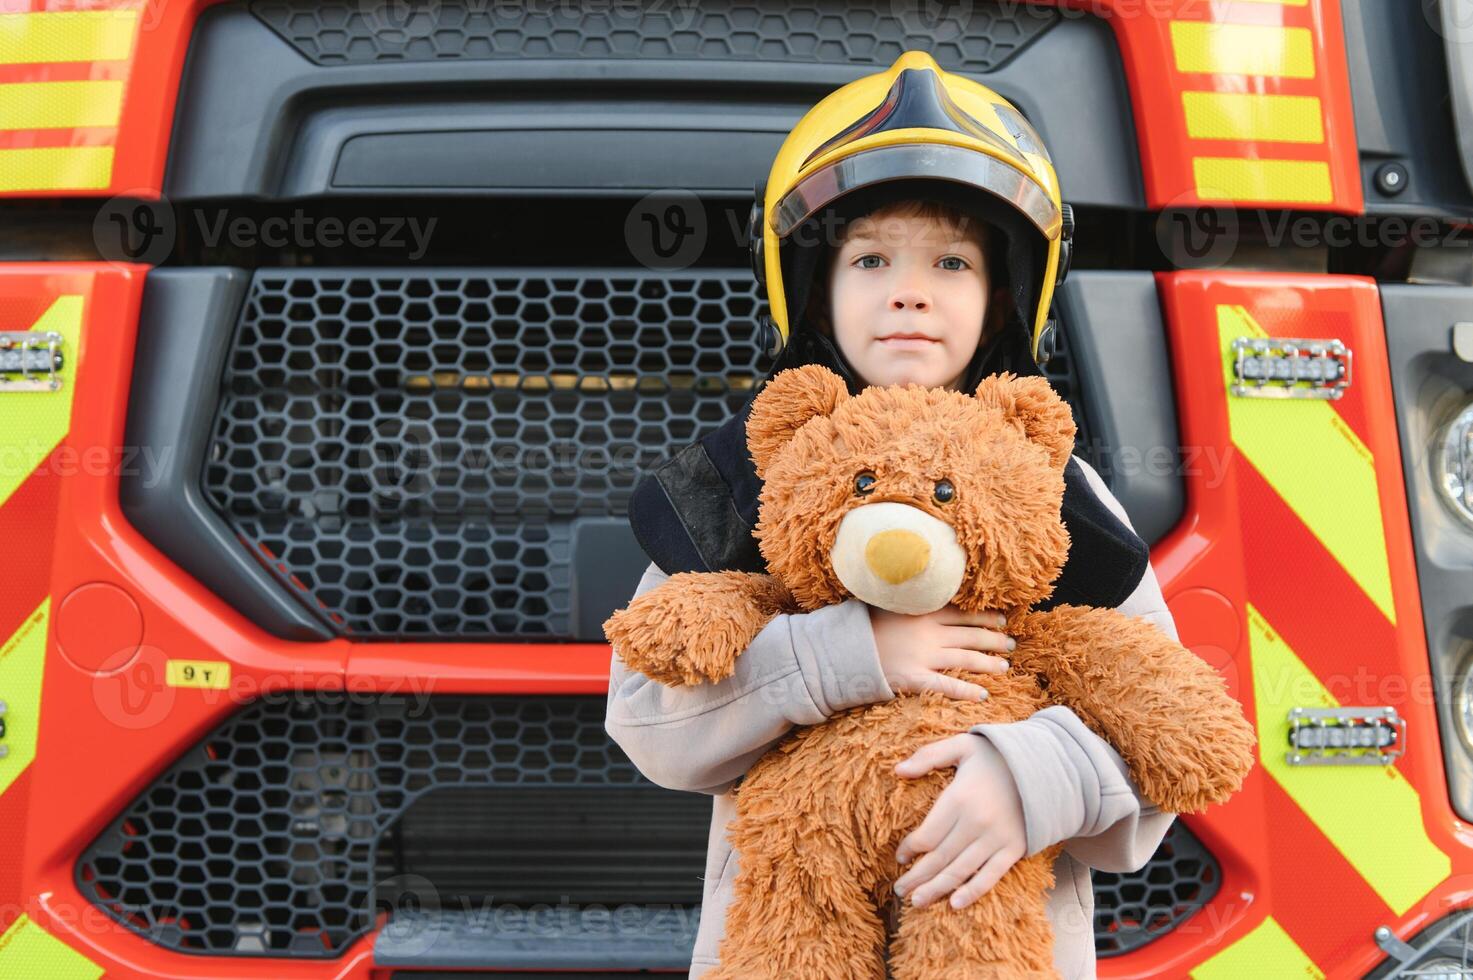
(975, 831)
(913, 648)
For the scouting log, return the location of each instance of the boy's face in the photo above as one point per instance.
(908, 297)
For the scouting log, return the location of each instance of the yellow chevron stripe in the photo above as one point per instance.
(1267, 952)
(1371, 814)
(74, 35)
(1271, 118)
(1317, 464)
(1241, 179)
(1242, 49)
(56, 168)
(32, 423)
(60, 105)
(21, 659)
(27, 950)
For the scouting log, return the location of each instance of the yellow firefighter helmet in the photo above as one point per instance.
(917, 128)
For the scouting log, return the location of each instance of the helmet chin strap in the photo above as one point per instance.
(808, 345)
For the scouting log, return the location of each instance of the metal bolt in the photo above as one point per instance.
(1391, 179)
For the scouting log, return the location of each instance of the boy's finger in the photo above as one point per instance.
(954, 688)
(979, 638)
(987, 876)
(929, 835)
(989, 618)
(942, 752)
(956, 873)
(973, 660)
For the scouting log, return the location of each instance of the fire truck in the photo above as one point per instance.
(334, 335)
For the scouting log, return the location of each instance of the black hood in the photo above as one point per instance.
(696, 511)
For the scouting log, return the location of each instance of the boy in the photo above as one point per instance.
(933, 282)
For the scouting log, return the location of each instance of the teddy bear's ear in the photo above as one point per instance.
(789, 399)
(1032, 403)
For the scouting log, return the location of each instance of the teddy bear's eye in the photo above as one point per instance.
(864, 483)
(944, 491)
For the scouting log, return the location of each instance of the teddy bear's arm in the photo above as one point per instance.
(1163, 708)
(692, 627)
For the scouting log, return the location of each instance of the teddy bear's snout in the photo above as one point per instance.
(897, 555)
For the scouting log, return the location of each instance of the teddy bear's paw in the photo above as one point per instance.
(1204, 770)
(693, 626)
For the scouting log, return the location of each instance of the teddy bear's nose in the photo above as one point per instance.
(897, 555)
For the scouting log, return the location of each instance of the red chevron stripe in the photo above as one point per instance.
(1323, 324)
(13, 818)
(27, 523)
(1330, 911)
(1314, 604)
(27, 139)
(22, 312)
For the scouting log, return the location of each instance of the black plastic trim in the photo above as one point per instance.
(1125, 382)
(185, 328)
(1431, 383)
(257, 119)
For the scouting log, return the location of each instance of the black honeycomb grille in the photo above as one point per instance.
(965, 37)
(289, 827)
(408, 452)
(279, 833)
(1135, 909)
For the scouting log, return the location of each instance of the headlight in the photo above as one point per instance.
(1455, 464)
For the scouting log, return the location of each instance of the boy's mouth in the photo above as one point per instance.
(908, 341)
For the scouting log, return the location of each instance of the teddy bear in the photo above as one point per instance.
(909, 498)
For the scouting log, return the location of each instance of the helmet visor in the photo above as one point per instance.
(928, 160)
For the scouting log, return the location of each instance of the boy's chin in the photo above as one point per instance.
(925, 375)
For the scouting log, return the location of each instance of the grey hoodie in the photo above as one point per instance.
(806, 667)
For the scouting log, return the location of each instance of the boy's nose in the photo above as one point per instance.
(910, 299)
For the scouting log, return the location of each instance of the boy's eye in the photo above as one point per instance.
(864, 483)
(960, 263)
(863, 261)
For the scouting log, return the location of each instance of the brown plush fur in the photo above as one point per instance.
(819, 818)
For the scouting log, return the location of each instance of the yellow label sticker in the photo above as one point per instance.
(198, 673)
